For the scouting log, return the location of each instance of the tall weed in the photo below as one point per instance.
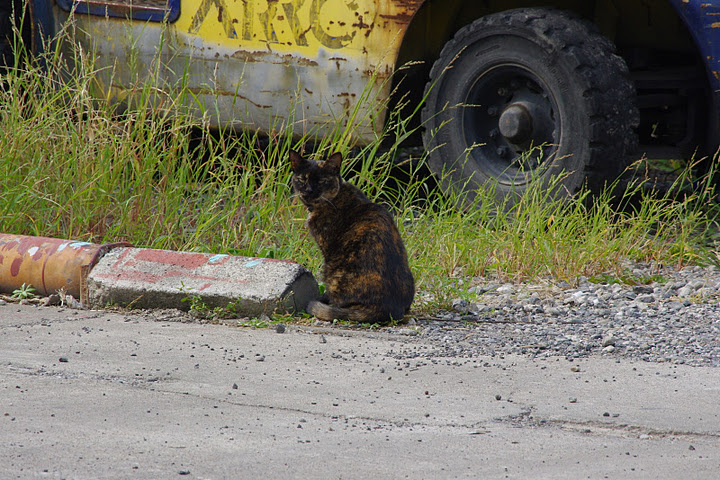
(155, 176)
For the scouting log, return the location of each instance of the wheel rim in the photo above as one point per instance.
(511, 119)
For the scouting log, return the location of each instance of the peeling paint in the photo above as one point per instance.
(259, 63)
(15, 267)
(253, 263)
(700, 19)
(218, 258)
(78, 244)
(185, 260)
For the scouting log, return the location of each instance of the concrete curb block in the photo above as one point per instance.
(121, 275)
(149, 278)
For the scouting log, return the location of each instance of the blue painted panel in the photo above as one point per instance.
(702, 19)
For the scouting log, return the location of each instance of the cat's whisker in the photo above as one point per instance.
(328, 201)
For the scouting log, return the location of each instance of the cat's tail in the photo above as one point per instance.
(358, 313)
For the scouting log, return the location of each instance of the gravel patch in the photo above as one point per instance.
(676, 320)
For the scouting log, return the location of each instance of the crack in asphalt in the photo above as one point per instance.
(64, 375)
(592, 427)
(151, 384)
(525, 419)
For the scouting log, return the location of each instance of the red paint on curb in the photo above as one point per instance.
(185, 260)
(135, 275)
(125, 252)
(276, 260)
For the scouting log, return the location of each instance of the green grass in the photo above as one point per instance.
(70, 167)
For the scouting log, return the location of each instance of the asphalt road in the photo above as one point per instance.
(88, 394)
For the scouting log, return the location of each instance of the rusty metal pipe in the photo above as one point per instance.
(48, 264)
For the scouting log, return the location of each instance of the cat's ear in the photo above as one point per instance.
(333, 163)
(296, 161)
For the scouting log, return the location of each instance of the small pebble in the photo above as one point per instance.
(52, 300)
(640, 289)
(685, 291)
(71, 302)
(280, 328)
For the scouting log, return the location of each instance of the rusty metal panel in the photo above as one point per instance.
(153, 10)
(262, 64)
(48, 264)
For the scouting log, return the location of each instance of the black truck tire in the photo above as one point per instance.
(522, 95)
(6, 35)
(15, 26)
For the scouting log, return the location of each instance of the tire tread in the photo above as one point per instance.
(606, 86)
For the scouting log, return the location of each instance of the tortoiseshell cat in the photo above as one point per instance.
(366, 272)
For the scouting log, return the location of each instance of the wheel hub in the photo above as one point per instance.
(516, 124)
(514, 115)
